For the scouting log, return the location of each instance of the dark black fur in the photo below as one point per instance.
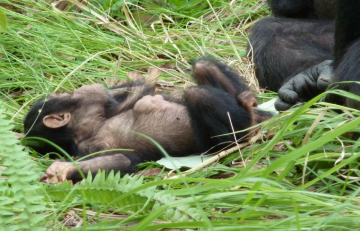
(292, 8)
(347, 51)
(285, 47)
(208, 109)
(305, 9)
(212, 80)
(289, 51)
(347, 26)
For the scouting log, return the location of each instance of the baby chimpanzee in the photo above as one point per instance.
(95, 119)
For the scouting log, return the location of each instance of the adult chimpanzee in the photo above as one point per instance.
(284, 47)
(299, 52)
(94, 119)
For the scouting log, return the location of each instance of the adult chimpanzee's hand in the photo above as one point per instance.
(304, 86)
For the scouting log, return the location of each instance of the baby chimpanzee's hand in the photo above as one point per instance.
(58, 172)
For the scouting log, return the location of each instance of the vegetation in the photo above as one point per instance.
(300, 174)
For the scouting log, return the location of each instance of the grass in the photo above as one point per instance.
(301, 174)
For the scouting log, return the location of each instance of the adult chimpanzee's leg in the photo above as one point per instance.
(292, 8)
(304, 9)
(284, 47)
(325, 9)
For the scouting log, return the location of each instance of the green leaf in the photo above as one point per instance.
(3, 21)
(17, 188)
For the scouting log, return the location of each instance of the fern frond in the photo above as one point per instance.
(124, 195)
(20, 209)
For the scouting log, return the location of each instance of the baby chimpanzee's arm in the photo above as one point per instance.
(60, 171)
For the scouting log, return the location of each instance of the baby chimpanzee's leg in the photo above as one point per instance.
(208, 108)
(210, 72)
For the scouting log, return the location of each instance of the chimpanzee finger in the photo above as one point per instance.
(43, 178)
(326, 72)
(281, 105)
(323, 83)
(51, 175)
(46, 178)
(324, 80)
(53, 179)
(62, 177)
(287, 93)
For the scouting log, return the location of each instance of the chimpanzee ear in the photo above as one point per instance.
(57, 120)
(247, 99)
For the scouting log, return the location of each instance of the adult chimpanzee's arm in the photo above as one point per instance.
(347, 27)
(61, 171)
(304, 86)
(346, 77)
(347, 47)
